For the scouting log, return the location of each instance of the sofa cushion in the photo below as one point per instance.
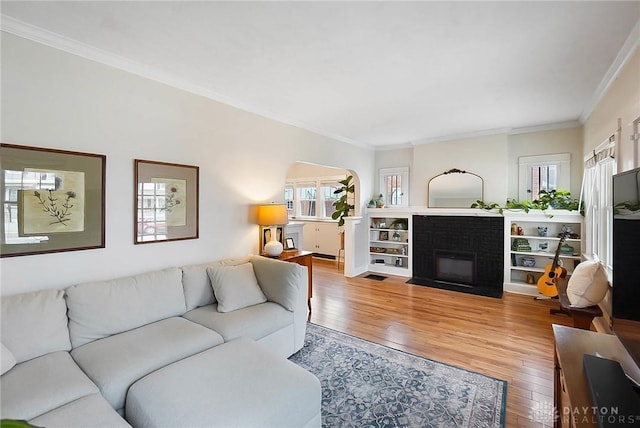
(35, 324)
(255, 389)
(116, 362)
(587, 285)
(90, 411)
(7, 358)
(280, 281)
(42, 384)
(255, 321)
(235, 287)
(197, 285)
(100, 309)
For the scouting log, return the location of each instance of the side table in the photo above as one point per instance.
(303, 258)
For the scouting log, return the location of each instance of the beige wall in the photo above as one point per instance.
(622, 100)
(484, 156)
(544, 143)
(54, 99)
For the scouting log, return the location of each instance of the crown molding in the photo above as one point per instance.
(625, 53)
(497, 131)
(546, 127)
(57, 41)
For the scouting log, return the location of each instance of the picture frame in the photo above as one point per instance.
(383, 235)
(289, 244)
(54, 200)
(166, 202)
(265, 236)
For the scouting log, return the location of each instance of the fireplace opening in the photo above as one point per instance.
(456, 267)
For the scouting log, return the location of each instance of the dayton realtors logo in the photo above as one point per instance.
(546, 414)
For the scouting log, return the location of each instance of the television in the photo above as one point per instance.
(626, 261)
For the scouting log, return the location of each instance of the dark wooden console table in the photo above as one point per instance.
(571, 391)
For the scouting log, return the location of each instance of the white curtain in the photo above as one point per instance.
(599, 169)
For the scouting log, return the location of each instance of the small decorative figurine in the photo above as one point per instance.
(514, 229)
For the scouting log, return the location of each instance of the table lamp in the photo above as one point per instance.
(272, 216)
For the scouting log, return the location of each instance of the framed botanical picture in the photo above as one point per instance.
(265, 236)
(166, 202)
(53, 200)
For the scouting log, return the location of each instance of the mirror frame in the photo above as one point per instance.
(453, 171)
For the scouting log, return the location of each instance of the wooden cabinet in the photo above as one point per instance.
(571, 391)
(321, 238)
(390, 243)
(527, 255)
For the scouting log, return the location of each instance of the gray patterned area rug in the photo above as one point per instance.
(369, 385)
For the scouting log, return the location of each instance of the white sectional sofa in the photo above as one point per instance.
(166, 348)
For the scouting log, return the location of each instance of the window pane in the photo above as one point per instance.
(307, 200)
(288, 198)
(329, 198)
(543, 177)
(393, 190)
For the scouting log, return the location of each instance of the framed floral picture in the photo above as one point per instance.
(54, 200)
(166, 202)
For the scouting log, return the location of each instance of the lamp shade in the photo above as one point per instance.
(272, 215)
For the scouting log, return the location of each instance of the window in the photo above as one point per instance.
(288, 197)
(394, 186)
(546, 172)
(597, 185)
(307, 199)
(311, 196)
(328, 198)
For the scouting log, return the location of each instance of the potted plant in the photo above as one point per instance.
(342, 205)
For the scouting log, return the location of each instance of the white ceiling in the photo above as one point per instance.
(376, 74)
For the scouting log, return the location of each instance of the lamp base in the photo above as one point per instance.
(273, 248)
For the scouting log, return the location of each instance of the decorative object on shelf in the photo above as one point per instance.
(272, 216)
(520, 244)
(528, 261)
(383, 236)
(520, 231)
(543, 246)
(400, 224)
(542, 230)
(166, 207)
(566, 249)
(566, 230)
(514, 228)
(54, 200)
(379, 201)
(395, 236)
(553, 199)
(530, 279)
(342, 205)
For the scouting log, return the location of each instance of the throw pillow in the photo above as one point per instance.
(235, 287)
(8, 360)
(588, 284)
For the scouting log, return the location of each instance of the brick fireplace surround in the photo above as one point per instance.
(459, 253)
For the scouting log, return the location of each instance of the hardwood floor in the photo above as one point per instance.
(508, 338)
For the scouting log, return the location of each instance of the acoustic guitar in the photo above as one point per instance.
(548, 282)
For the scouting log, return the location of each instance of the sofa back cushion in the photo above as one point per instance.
(197, 284)
(101, 309)
(35, 324)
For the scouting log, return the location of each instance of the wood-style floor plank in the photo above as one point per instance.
(508, 338)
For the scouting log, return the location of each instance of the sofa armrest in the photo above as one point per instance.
(281, 282)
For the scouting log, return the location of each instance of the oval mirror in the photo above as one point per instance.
(454, 189)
